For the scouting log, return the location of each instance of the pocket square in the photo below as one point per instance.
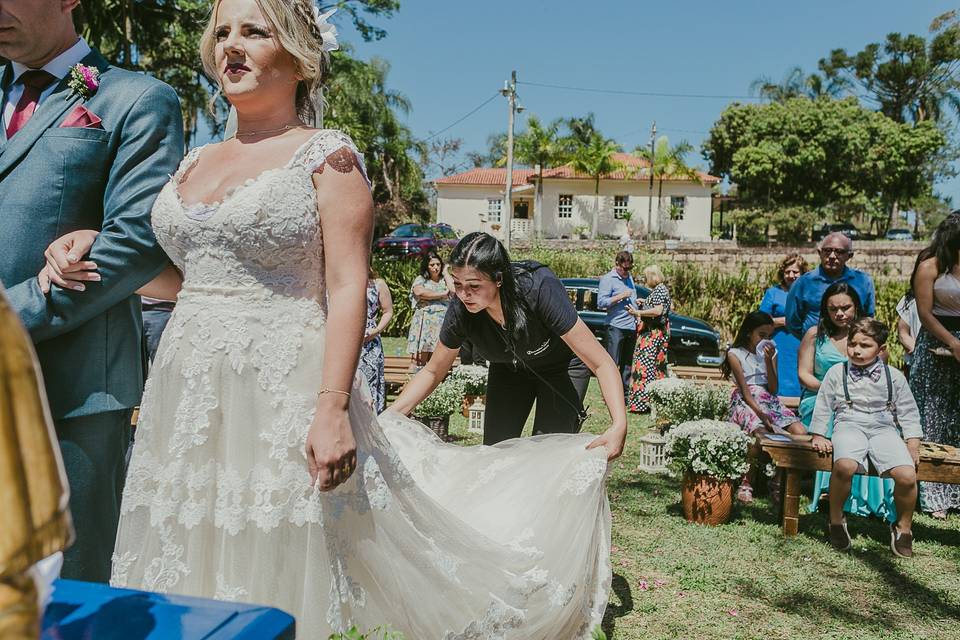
(83, 118)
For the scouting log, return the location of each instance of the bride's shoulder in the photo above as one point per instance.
(334, 148)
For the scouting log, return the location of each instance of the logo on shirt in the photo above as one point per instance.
(540, 349)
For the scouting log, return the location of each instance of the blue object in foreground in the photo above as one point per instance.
(83, 610)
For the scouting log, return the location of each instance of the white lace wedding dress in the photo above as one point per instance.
(436, 540)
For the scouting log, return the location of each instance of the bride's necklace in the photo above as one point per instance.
(262, 131)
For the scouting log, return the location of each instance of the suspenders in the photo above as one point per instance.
(891, 405)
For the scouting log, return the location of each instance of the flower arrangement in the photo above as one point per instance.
(378, 633)
(84, 81)
(445, 400)
(676, 401)
(473, 377)
(708, 447)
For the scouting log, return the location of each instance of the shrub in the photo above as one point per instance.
(399, 274)
(708, 447)
(676, 401)
(473, 377)
(378, 633)
(445, 400)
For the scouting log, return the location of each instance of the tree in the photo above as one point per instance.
(796, 84)
(664, 163)
(596, 160)
(539, 146)
(833, 156)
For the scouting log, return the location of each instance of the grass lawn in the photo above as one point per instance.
(744, 580)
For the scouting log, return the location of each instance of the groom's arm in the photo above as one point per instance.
(126, 251)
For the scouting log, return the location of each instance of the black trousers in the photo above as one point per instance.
(94, 449)
(620, 346)
(511, 392)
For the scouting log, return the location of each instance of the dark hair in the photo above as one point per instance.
(826, 327)
(484, 253)
(872, 328)
(624, 256)
(425, 264)
(791, 258)
(750, 322)
(944, 246)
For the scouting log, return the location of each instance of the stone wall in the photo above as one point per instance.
(881, 259)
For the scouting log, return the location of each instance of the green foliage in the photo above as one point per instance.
(815, 154)
(796, 84)
(472, 377)
(792, 224)
(446, 399)
(708, 447)
(381, 632)
(677, 401)
(399, 275)
(596, 160)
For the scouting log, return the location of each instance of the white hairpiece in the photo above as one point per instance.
(328, 31)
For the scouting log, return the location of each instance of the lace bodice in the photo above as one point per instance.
(262, 237)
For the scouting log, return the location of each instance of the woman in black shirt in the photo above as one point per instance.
(518, 316)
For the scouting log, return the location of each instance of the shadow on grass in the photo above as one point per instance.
(621, 587)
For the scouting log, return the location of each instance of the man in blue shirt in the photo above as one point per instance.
(803, 301)
(616, 294)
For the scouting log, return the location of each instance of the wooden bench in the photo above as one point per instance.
(396, 372)
(938, 463)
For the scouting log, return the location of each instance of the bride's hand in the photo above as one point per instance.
(613, 439)
(65, 268)
(331, 448)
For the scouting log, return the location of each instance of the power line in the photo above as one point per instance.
(648, 94)
(461, 119)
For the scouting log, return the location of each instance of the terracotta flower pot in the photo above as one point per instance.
(706, 500)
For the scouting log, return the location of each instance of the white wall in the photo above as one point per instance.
(460, 206)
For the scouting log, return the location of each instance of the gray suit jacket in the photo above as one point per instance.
(54, 180)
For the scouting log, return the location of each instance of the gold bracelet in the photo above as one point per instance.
(324, 390)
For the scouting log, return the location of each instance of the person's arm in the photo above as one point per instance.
(346, 221)
(770, 361)
(582, 342)
(923, 290)
(426, 380)
(605, 295)
(423, 294)
(793, 313)
(908, 341)
(767, 306)
(870, 299)
(736, 368)
(823, 409)
(805, 360)
(125, 252)
(386, 310)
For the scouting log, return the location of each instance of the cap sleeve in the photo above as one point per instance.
(334, 149)
(453, 332)
(553, 304)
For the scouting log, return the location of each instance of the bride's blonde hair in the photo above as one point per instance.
(293, 25)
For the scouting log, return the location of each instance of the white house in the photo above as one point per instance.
(473, 201)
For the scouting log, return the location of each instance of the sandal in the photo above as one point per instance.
(938, 515)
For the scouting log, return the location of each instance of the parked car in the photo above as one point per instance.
(693, 342)
(845, 228)
(898, 234)
(416, 239)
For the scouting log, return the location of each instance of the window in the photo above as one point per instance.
(565, 207)
(677, 204)
(620, 204)
(493, 209)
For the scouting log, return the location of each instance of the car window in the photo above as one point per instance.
(572, 294)
(411, 231)
(590, 300)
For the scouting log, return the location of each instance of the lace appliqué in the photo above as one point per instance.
(588, 473)
(226, 592)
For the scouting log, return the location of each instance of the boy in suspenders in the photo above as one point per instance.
(876, 417)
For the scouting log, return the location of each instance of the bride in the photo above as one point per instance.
(260, 472)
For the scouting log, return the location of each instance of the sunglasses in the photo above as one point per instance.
(839, 252)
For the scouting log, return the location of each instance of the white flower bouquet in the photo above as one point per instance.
(444, 401)
(708, 447)
(473, 377)
(676, 401)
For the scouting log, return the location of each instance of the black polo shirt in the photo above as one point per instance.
(552, 314)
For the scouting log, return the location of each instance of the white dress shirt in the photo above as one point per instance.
(59, 67)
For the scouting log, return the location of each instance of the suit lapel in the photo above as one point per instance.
(4, 85)
(50, 112)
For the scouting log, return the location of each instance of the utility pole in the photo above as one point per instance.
(653, 142)
(509, 91)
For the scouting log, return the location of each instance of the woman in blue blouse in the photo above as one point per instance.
(775, 302)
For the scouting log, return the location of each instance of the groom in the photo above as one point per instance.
(92, 153)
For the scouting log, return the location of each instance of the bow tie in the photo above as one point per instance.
(871, 371)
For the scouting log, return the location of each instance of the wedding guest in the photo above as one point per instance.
(775, 303)
(873, 413)
(908, 328)
(803, 300)
(430, 297)
(518, 317)
(653, 339)
(754, 404)
(617, 294)
(88, 146)
(822, 347)
(935, 373)
(156, 314)
(379, 303)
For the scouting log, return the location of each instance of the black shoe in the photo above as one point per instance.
(840, 537)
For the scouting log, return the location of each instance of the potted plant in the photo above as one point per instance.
(674, 401)
(474, 380)
(711, 456)
(435, 410)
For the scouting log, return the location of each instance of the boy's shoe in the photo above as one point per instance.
(901, 543)
(840, 537)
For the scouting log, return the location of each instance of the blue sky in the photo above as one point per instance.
(448, 56)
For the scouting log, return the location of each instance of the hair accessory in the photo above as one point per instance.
(328, 31)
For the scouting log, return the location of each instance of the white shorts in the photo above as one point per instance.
(857, 438)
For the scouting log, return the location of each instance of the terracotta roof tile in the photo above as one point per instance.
(486, 176)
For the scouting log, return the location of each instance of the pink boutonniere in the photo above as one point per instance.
(84, 81)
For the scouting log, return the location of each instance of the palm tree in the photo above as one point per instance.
(539, 146)
(795, 84)
(665, 163)
(596, 159)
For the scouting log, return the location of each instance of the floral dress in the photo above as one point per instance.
(650, 354)
(755, 373)
(371, 356)
(427, 316)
